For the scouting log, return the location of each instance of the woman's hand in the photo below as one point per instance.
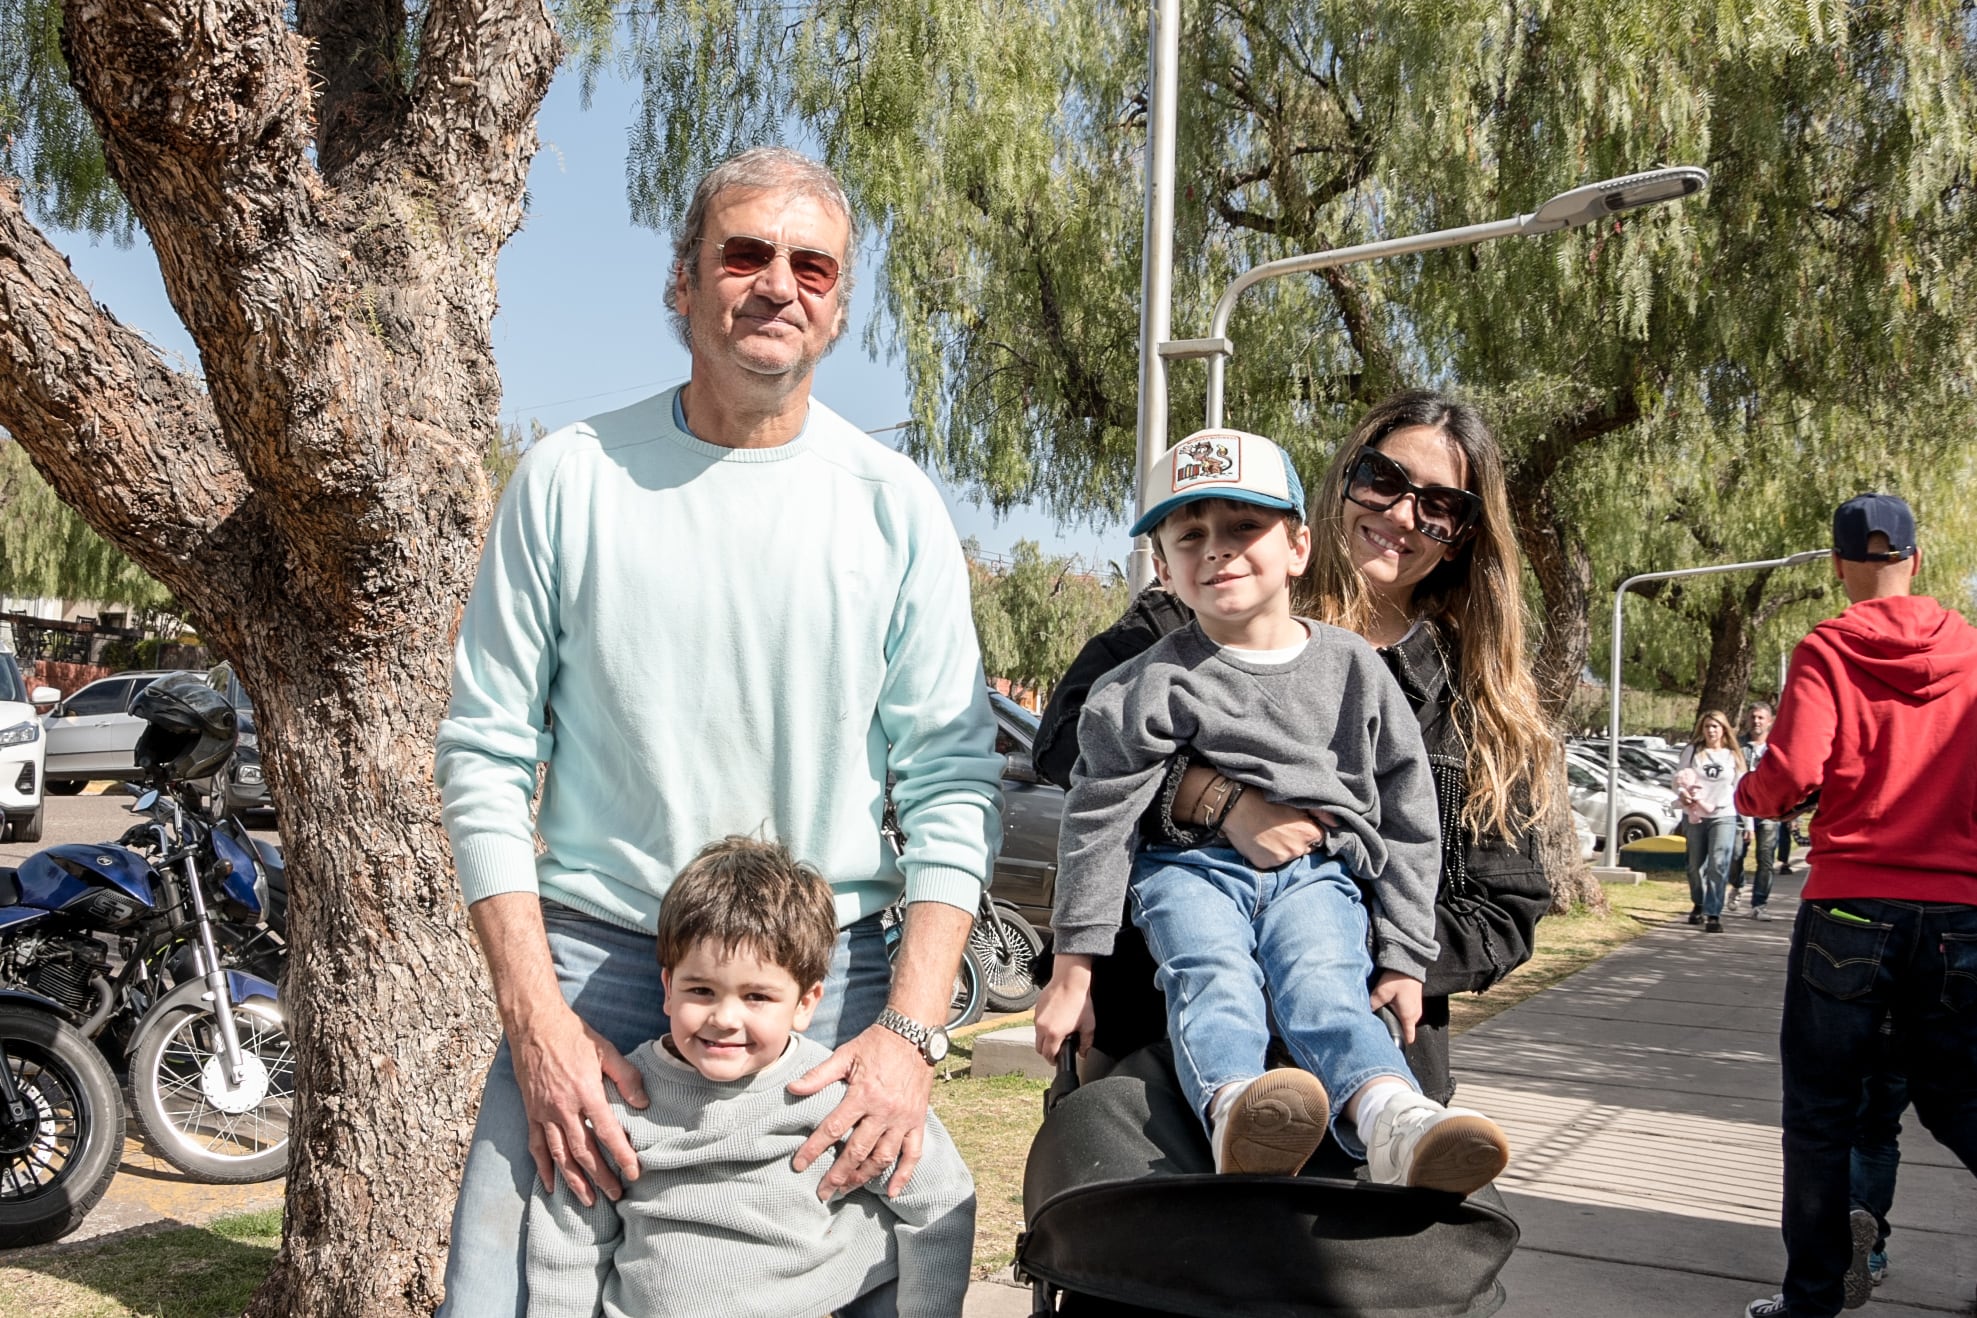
(1269, 835)
(1403, 994)
(1064, 1008)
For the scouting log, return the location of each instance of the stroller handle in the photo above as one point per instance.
(1067, 1073)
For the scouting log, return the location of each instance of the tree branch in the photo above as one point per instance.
(125, 440)
(484, 67)
(357, 49)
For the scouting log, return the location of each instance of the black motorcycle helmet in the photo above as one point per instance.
(189, 728)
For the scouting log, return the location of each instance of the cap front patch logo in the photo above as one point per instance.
(1205, 460)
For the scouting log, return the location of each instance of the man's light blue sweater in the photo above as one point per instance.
(701, 641)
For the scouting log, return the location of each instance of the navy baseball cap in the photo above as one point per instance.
(1219, 464)
(1864, 514)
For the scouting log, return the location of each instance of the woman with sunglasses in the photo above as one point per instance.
(1412, 548)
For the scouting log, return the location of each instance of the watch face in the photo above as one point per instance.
(935, 1047)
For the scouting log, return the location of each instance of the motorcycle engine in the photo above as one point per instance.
(58, 970)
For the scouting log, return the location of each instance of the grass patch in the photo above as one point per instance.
(182, 1272)
(992, 1121)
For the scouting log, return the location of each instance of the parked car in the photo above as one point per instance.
(1652, 784)
(22, 752)
(1641, 815)
(1637, 761)
(237, 787)
(1032, 808)
(92, 734)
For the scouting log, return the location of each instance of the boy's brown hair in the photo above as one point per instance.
(743, 892)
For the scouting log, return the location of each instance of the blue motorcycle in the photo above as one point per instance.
(156, 947)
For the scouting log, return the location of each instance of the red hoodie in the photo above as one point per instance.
(1879, 716)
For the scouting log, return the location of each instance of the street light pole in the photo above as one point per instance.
(1157, 258)
(1568, 210)
(1613, 676)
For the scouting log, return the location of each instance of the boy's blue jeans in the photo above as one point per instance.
(610, 976)
(1239, 948)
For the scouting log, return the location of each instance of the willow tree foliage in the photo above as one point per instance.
(995, 145)
(47, 551)
(1033, 613)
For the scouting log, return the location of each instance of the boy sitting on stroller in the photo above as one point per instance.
(1307, 714)
(718, 1221)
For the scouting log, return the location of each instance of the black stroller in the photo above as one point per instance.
(1126, 1216)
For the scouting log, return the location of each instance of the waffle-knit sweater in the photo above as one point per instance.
(700, 641)
(717, 1223)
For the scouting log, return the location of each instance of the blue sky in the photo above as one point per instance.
(581, 329)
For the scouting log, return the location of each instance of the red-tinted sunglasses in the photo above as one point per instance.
(744, 254)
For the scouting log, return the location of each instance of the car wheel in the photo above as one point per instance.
(64, 786)
(25, 828)
(1636, 827)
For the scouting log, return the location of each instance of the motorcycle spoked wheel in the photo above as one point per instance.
(970, 992)
(54, 1171)
(1008, 954)
(206, 1126)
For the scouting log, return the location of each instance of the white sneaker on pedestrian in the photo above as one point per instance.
(1771, 1306)
(1760, 913)
(1730, 902)
(1416, 1141)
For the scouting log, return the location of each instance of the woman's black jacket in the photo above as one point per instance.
(1492, 891)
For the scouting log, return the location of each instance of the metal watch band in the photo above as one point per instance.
(906, 1027)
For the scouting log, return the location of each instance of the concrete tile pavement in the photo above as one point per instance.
(1642, 1099)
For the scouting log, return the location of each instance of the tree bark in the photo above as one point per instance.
(317, 506)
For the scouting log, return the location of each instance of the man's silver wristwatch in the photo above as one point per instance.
(931, 1040)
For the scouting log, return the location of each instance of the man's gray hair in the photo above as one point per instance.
(759, 169)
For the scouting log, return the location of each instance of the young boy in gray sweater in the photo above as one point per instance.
(717, 1222)
(1308, 715)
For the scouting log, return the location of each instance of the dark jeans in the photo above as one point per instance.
(1907, 962)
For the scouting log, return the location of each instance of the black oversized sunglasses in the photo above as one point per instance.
(1441, 512)
(744, 254)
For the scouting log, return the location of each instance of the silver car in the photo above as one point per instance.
(93, 734)
(1645, 811)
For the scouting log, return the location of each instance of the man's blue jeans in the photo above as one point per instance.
(1238, 948)
(1711, 844)
(1910, 962)
(610, 976)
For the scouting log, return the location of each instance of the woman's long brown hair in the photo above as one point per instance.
(1697, 745)
(1474, 595)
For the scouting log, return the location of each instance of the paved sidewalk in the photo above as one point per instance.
(1641, 1098)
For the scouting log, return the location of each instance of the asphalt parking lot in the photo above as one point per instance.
(100, 815)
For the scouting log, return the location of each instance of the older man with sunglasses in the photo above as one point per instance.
(721, 610)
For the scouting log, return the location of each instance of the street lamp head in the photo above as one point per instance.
(1583, 205)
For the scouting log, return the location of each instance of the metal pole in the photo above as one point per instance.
(1613, 675)
(1296, 265)
(1157, 259)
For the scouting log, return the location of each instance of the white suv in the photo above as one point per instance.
(22, 752)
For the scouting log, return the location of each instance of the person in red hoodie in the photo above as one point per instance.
(1879, 718)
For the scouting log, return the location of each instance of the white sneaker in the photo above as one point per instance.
(1416, 1141)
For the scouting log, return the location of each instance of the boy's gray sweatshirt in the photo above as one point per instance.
(1329, 730)
(718, 1223)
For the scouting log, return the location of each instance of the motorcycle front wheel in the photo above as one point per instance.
(54, 1168)
(207, 1125)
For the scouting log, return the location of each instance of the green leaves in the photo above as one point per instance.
(46, 138)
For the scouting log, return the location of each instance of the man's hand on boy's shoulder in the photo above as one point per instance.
(561, 1067)
(881, 1120)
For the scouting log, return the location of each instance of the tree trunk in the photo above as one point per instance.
(1732, 648)
(329, 235)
